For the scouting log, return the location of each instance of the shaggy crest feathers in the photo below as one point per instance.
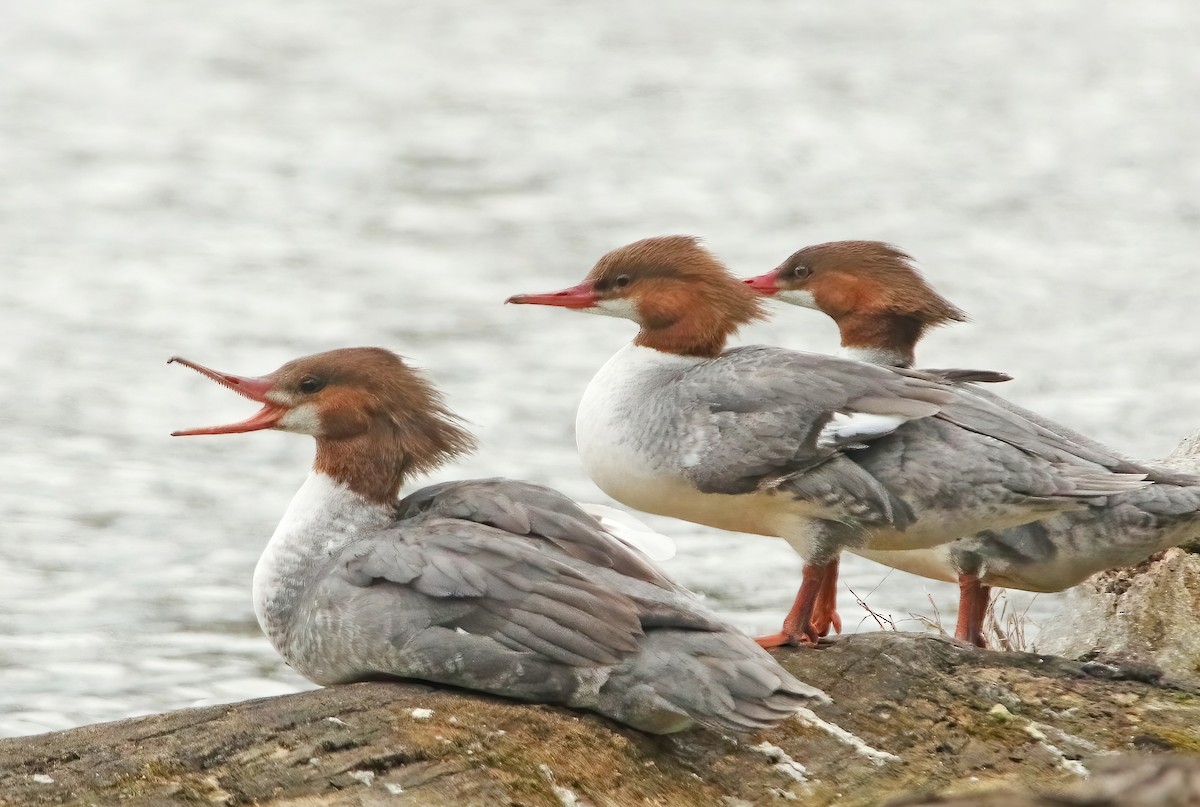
(688, 301)
(374, 406)
(886, 280)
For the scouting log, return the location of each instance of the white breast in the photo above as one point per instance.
(629, 440)
(622, 438)
(323, 517)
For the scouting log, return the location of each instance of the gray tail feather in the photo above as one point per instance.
(1085, 483)
(1172, 476)
(720, 680)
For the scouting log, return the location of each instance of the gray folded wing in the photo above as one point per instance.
(509, 588)
(485, 582)
(760, 416)
(760, 412)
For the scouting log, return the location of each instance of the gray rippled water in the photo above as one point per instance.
(242, 183)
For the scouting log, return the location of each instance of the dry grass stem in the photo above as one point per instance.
(1007, 627)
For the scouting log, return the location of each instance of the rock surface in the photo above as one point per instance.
(1165, 780)
(1150, 613)
(1186, 455)
(913, 716)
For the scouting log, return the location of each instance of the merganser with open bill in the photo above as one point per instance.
(494, 585)
(882, 306)
(824, 452)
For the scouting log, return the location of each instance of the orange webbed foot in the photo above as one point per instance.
(788, 639)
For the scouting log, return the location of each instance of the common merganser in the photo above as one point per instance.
(882, 306)
(873, 291)
(823, 452)
(495, 585)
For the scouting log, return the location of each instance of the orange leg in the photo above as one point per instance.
(825, 615)
(973, 599)
(798, 625)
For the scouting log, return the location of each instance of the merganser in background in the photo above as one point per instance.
(882, 306)
(823, 452)
(873, 291)
(496, 585)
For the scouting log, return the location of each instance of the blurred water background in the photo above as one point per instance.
(243, 183)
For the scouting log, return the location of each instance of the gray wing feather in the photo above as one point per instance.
(1104, 455)
(759, 412)
(968, 376)
(462, 602)
(523, 508)
(845, 488)
(508, 586)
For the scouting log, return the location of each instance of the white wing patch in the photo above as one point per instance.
(631, 532)
(850, 429)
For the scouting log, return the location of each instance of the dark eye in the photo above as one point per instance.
(800, 271)
(621, 281)
(310, 384)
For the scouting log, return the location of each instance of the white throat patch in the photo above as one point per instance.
(623, 307)
(797, 297)
(302, 419)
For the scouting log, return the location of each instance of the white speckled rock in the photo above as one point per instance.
(1151, 611)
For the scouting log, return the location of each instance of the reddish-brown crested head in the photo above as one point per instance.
(685, 300)
(376, 420)
(873, 291)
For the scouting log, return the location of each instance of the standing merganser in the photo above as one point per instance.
(883, 306)
(823, 452)
(495, 585)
